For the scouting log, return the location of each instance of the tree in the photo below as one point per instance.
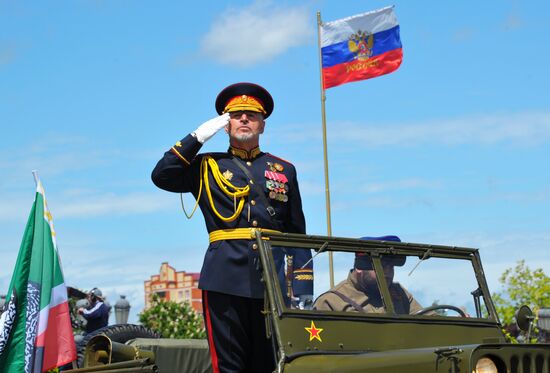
(521, 286)
(172, 319)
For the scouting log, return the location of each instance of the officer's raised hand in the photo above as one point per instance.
(209, 128)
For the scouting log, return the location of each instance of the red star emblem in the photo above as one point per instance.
(314, 332)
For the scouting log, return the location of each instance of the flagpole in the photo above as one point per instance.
(35, 175)
(325, 156)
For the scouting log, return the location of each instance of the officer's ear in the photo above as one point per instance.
(262, 125)
(227, 127)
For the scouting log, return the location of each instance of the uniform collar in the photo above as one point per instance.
(244, 154)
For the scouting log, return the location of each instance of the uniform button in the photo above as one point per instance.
(249, 163)
(251, 181)
(254, 223)
(253, 203)
(255, 246)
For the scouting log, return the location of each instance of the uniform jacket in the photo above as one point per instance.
(97, 316)
(232, 266)
(403, 301)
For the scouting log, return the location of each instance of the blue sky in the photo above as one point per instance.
(450, 149)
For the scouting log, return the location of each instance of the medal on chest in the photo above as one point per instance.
(275, 167)
(276, 183)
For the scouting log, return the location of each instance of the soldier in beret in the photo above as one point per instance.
(239, 190)
(360, 293)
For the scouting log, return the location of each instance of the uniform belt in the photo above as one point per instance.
(237, 234)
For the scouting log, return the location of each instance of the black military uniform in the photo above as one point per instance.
(232, 208)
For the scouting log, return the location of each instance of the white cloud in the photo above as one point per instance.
(512, 22)
(53, 156)
(258, 33)
(498, 248)
(533, 196)
(500, 251)
(60, 163)
(92, 204)
(110, 203)
(413, 183)
(527, 128)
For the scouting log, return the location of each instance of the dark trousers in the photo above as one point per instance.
(236, 334)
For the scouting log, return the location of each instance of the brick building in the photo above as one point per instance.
(177, 286)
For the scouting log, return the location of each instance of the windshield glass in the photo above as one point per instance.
(433, 286)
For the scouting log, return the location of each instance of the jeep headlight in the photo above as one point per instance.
(485, 365)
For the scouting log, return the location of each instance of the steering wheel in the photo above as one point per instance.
(441, 307)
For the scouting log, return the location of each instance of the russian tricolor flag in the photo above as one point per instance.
(360, 47)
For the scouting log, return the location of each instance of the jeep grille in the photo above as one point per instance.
(530, 362)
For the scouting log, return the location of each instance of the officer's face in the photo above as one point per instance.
(245, 126)
(367, 277)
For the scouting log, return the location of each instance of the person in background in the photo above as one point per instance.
(97, 313)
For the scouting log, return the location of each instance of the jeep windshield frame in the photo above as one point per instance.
(376, 249)
(343, 331)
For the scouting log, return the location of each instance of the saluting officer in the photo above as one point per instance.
(238, 191)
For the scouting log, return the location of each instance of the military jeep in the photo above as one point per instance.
(452, 328)
(457, 330)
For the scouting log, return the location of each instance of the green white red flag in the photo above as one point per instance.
(35, 330)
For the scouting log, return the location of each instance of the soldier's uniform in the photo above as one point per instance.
(233, 207)
(351, 295)
(348, 296)
(231, 261)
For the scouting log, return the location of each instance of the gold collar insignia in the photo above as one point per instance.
(243, 154)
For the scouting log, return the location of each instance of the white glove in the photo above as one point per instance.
(209, 129)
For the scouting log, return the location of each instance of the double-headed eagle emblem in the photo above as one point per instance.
(361, 44)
